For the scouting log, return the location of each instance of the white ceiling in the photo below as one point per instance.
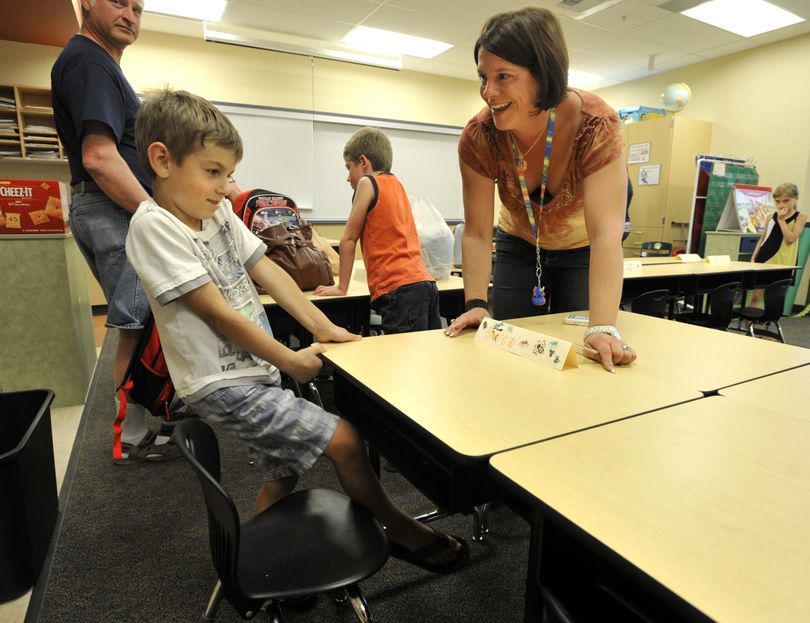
(616, 43)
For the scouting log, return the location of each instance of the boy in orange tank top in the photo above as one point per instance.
(402, 291)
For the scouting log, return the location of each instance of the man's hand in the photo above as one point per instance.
(330, 291)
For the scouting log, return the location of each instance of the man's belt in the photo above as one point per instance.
(88, 186)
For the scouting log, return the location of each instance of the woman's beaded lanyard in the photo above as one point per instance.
(538, 292)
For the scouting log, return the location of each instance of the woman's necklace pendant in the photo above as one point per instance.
(539, 296)
(522, 165)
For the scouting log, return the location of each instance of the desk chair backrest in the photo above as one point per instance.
(652, 303)
(655, 249)
(774, 297)
(198, 444)
(721, 304)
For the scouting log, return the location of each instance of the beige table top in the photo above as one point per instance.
(478, 399)
(685, 269)
(709, 498)
(358, 287)
(786, 392)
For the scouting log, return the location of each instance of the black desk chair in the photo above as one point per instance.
(655, 249)
(652, 303)
(721, 308)
(313, 541)
(774, 304)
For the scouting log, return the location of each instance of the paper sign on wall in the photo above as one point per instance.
(532, 345)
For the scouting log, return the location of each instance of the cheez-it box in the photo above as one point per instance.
(33, 207)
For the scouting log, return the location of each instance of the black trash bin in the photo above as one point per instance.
(28, 499)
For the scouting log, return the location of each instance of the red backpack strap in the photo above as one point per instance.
(119, 419)
(239, 206)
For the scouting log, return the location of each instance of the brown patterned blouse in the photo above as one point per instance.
(489, 152)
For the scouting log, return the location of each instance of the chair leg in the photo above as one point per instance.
(481, 521)
(273, 610)
(781, 335)
(751, 330)
(359, 603)
(213, 603)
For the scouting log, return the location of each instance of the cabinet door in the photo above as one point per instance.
(649, 200)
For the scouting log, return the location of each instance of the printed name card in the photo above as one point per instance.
(689, 257)
(545, 349)
(632, 267)
(718, 259)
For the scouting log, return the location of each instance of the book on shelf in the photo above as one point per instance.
(747, 209)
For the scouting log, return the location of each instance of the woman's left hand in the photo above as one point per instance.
(608, 350)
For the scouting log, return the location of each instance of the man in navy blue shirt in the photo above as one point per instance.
(95, 107)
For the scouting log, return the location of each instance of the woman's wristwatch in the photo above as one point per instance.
(602, 328)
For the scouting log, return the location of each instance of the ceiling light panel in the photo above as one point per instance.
(746, 18)
(203, 10)
(390, 42)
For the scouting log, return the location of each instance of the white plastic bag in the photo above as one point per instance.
(435, 238)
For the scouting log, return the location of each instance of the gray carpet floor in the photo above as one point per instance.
(132, 544)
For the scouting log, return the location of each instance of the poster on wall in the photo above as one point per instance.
(639, 152)
(649, 175)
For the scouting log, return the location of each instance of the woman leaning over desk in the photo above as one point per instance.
(543, 143)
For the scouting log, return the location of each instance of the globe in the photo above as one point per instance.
(676, 96)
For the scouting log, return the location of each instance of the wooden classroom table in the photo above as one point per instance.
(695, 512)
(352, 309)
(788, 391)
(438, 407)
(692, 278)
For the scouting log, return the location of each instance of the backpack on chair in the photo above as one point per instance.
(146, 382)
(259, 209)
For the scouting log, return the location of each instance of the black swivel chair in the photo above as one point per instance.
(655, 249)
(721, 308)
(652, 303)
(313, 541)
(774, 304)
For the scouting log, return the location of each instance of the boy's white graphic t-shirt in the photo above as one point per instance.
(172, 260)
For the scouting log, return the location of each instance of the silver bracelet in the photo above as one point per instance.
(602, 328)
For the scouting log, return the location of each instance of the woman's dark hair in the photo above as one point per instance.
(530, 37)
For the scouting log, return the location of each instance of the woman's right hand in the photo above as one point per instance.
(470, 318)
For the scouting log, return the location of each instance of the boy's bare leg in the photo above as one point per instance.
(347, 452)
(274, 490)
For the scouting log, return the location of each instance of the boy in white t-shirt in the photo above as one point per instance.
(197, 261)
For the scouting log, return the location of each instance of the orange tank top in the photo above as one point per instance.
(389, 241)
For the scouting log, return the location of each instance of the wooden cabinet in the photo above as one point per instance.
(660, 211)
(27, 128)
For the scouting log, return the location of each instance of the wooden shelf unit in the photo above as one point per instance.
(27, 125)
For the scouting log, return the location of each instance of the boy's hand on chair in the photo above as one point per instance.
(337, 334)
(305, 363)
(330, 291)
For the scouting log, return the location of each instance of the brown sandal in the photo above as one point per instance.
(421, 555)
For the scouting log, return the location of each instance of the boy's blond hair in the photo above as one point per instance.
(788, 189)
(183, 122)
(374, 145)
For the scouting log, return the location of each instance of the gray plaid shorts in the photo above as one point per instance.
(286, 434)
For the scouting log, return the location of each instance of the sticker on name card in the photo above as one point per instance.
(718, 259)
(633, 267)
(689, 257)
(532, 345)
